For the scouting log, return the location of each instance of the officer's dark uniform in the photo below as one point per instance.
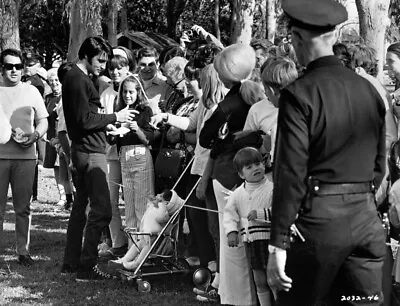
(330, 147)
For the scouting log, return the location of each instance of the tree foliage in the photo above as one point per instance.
(44, 28)
(147, 15)
(393, 31)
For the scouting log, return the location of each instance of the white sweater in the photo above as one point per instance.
(263, 116)
(250, 196)
(107, 100)
(5, 127)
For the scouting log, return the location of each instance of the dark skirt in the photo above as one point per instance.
(258, 253)
(50, 157)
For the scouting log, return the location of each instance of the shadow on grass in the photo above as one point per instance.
(42, 283)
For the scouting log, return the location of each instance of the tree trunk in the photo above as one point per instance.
(112, 21)
(374, 20)
(175, 9)
(244, 21)
(264, 19)
(271, 20)
(216, 20)
(9, 24)
(85, 21)
(233, 17)
(124, 17)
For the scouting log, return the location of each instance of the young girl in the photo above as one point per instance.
(247, 214)
(134, 154)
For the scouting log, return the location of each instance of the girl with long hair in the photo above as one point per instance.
(134, 154)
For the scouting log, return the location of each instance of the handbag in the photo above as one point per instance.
(170, 162)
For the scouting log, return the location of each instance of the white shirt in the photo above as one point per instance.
(263, 116)
(107, 100)
(5, 127)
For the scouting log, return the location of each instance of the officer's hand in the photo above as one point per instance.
(233, 239)
(126, 114)
(252, 215)
(277, 278)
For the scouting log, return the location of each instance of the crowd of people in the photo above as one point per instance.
(287, 146)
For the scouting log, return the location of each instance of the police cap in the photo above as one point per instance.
(321, 15)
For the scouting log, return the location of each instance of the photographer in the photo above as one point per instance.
(192, 39)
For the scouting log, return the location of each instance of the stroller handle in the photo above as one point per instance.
(183, 172)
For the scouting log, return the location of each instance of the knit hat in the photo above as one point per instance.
(235, 63)
(175, 203)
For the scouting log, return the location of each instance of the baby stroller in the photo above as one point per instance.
(162, 257)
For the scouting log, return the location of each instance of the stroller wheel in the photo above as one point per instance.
(143, 286)
(183, 265)
(202, 277)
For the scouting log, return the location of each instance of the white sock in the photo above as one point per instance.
(215, 282)
(264, 298)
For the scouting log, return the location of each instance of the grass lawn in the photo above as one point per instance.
(42, 284)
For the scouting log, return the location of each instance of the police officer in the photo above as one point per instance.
(330, 152)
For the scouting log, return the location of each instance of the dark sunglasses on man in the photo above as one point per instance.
(8, 66)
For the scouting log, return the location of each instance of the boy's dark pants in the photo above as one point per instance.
(90, 180)
(341, 261)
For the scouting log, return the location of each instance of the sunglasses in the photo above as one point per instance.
(8, 66)
(150, 65)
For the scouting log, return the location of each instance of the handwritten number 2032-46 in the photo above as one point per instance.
(359, 298)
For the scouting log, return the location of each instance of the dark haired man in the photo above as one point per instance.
(24, 108)
(330, 152)
(86, 127)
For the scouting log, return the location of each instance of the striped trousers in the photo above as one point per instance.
(138, 180)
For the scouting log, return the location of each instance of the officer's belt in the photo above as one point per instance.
(337, 189)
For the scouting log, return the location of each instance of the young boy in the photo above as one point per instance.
(247, 216)
(277, 73)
